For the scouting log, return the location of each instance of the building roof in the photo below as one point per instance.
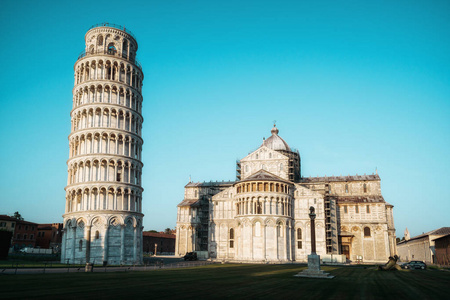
(210, 184)
(263, 175)
(275, 142)
(356, 177)
(190, 202)
(442, 237)
(439, 231)
(360, 199)
(159, 235)
(8, 218)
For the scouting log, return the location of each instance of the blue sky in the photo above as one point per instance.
(354, 85)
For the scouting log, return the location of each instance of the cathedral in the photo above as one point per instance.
(262, 217)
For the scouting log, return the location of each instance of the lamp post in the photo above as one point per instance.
(156, 246)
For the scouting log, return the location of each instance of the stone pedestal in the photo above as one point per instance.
(314, 270)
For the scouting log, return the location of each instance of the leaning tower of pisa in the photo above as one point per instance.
(103, 213)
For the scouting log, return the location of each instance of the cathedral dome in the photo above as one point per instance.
(275, 142)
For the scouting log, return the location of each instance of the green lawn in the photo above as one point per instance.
(232, 281)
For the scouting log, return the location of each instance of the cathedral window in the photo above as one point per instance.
(231, 238)
(258, 208)
(299, 238)
(345, 209)
(279, 230)
(366, 231)
(368, 209)
(257, 156)
(80, 245)
(97, 235)
(346, 188)
(356, 209)
(365, 188)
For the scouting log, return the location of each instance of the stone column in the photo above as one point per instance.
(264, 241)
(312, 216)
(74, 237)
(285, 241)
(177, 241)
(251, 239)
(88, 242)
(122, 245)
(105, 244)
(63, 244)
(289, 243)
(135, 249)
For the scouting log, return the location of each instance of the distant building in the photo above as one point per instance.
(421, 247)
(263, 215)
(7, 223)
(49, 236)
(165, 243)
(442, 250)
(24, 232)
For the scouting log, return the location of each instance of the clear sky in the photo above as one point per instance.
(354, 85)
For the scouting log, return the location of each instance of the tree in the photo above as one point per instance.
(168, 231)
(18, 216)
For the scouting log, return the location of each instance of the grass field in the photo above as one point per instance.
(232, 281)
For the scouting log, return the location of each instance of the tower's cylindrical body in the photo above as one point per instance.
(103, 214)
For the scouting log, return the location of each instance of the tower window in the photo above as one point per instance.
(111, 49)
(366, 231)
(368, 209)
